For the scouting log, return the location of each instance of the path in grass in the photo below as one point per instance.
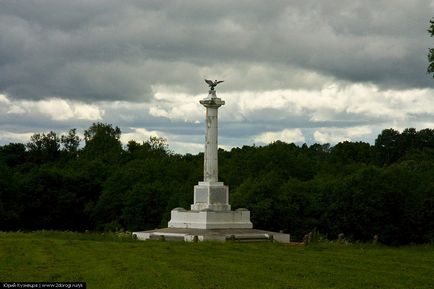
(109, 262)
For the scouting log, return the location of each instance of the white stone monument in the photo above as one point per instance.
(210, 217)
(211, 208)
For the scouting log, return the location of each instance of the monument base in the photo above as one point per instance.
(221, 235)
(209, 219)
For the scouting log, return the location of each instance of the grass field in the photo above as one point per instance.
(108, 261)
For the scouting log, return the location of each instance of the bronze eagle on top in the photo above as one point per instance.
(213, 84)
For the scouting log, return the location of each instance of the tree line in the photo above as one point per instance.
(353, 188)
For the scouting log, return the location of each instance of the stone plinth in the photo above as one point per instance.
(211, 195)
(209, 219)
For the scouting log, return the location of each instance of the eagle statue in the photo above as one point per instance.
(213, 84)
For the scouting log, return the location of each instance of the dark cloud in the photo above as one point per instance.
(111, 50)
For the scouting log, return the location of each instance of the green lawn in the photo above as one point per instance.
(112, 262)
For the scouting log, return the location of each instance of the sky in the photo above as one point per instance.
(296, 71)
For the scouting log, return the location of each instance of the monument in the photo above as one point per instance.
(210, 216)
(211, 208)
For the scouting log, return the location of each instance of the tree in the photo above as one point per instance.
(354, 152)
(154, 147)
(431, 50)
(260, 195)
(143, 206)
(44, 147)
(425, 138)
(70, 142)
(11, 201)
(50, 200)
(102, 141)
(13, 154)
(387, 146)
(294, 212)
(342, 189)
(158, 143)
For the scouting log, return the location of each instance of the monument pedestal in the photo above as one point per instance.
(209, 219)
(211, 210)
(212, 196)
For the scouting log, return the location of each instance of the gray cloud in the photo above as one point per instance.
(111, 50)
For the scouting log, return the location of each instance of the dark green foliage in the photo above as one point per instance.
(52, 198)
(391, 146)
(13, 154)
(387, 146)
(102, 143)
(44, 147)
(10, 200)
(260, 195)
(70, 142)
(351, 152)
(358, 189)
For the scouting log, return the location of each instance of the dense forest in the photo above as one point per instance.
(353, 188)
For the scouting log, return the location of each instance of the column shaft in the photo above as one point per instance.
(211, 145)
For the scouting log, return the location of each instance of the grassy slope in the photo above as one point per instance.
(108, 262)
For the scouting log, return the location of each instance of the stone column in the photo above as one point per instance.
(210, 165)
